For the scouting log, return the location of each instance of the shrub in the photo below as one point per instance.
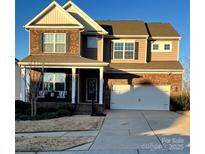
(22, 107)
(180, 103)
(63, 112)
(45, 115)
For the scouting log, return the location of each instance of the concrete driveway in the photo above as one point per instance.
(138, 132)
(144, 130)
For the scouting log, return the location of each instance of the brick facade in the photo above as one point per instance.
(72, 39)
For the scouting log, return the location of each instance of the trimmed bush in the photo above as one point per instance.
(22, 108)
(180, 103)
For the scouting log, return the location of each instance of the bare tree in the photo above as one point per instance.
(186, 79)
(33, 79)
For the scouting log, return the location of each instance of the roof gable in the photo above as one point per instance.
(54, 16)
(162, 30)
(89, 24)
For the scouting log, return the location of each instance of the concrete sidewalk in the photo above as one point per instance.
(122, 151)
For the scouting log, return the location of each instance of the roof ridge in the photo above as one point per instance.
(118, 20)
(157, 22)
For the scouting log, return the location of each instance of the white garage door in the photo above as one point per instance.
(140, 97)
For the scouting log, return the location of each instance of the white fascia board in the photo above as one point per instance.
(166, 38)
(62, 64)
(53, 27)
(94, 33)
(85, 16)
(127, 36)
(65, 67)
(54, 3)
(145, 70)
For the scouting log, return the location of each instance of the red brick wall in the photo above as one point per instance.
(72, 39)
(175, 80)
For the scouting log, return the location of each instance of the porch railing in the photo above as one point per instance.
(52, 94)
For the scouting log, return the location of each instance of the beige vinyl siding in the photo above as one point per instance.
(141, 57)
(166, 56)
(100, 49)
(54, 16)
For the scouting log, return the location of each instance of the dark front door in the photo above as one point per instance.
(91, 89)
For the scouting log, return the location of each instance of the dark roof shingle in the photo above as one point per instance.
(61, 58)
(161, 30)
(124, 27)
(174, 65)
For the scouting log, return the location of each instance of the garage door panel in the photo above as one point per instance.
(142, 97)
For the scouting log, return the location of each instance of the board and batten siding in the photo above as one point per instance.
(54, 16)
(165, 56)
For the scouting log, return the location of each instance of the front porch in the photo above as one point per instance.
(67, 86)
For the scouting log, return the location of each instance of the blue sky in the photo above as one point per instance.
(177, 12)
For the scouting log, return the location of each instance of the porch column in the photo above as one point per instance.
(101, 86)
(73, 84)
(23, 83)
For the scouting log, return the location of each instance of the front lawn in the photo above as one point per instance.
(73, 123)
(40, 143)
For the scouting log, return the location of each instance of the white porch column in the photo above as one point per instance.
(73, 84)
(101, 86)
(23, 84)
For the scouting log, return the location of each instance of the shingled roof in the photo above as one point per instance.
(168, 65)
(161, 30)
(124, 27)
(138, 27)
(61, 59)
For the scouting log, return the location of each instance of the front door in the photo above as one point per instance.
(91, 89)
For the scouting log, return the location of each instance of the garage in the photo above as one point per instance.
(140, 97)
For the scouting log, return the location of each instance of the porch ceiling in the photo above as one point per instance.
(59, 60)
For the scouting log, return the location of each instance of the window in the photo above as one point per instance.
(118, 51)
(161, 46)
(91, 42)
(54, 42)
(54, 82)
(124, 50)
(129, 50)
(167, 47)
(155, 47)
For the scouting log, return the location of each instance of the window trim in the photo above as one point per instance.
(53, 82)
(123, 41)
(54, 43)
(93, 38)
(161, 46)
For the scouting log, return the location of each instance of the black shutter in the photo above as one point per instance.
(111, 50)
(136, 50)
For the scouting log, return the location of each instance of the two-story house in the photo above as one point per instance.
(117, 64)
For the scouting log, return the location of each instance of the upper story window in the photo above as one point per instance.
(155, 46)
(54, 42)
(92, 42)
(166, 46)
(124, 50)
(161, 46)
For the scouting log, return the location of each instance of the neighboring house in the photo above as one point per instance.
(118, 64)
(18, 82)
